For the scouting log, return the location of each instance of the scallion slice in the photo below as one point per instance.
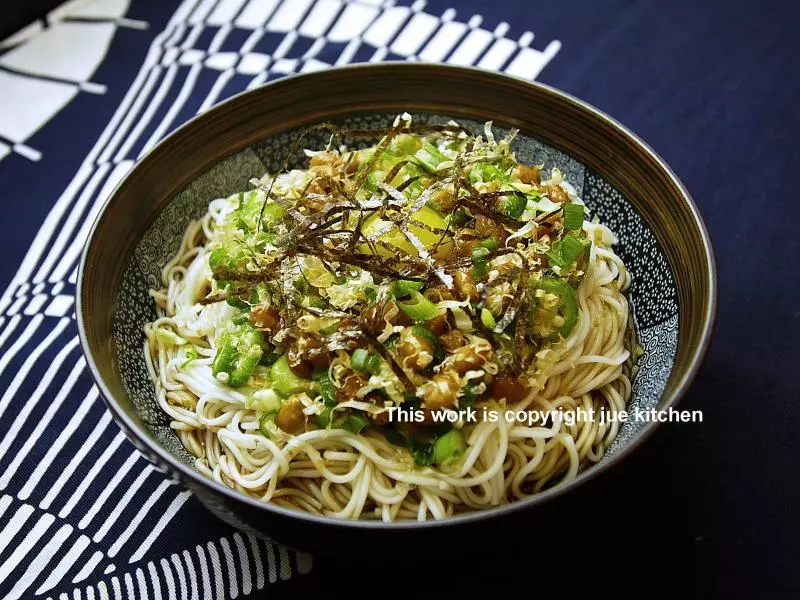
(354, 423)
(359, 359)
(191, 354)
(573, 217)
(479, 260)
(430, 337)
(513, 205)
(326, 388)
(402, 287)
(566, 251)
(568, 304)
(272, 216)
(449, 447)
(323, 419)
(489, 243)
(419, 308)
(284, 381)
(170, 337)
(429, 157)
(366, 362)
(459, 217)
(262, 422)
(373, 364)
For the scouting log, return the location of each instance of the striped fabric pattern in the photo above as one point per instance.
(82, 514)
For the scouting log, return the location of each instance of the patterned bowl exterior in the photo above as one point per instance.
(636, 196)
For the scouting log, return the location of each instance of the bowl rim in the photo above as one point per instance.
(695, 359)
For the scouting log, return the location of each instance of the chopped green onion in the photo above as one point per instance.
(468, 397)
(272, 216)
(326, 388)
(568, 308)
(225, 357)
(422, 452)
(573, 216)
(475, 174)
(219, 258)
(489, 243)
(479, 260)
(402, 287)
(415, 189)
(359, 359)
(316, 301)
(487, 318)
(284, 381)
(404, 144)
(366, 362)
(459, 217)
(449, 447)
(330, 329)
(566, 251)
(260, 294)
(238, 355)
(237, 303)
(191, 354)
(419, 308)
(456, 145)
(328, 393)
(323, 419)
(260, 244)
(513, 205)
(429, 157)
(241, 319)
(301, 284)
(170, 337)
(262, 422)
(354, 423)
(391, 342)
(487, 173)
(426, 334)
(373, 364)
(492, 173)
(250, 352)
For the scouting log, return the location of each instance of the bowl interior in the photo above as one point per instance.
(652, 293)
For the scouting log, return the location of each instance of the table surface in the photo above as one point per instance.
(705, 509)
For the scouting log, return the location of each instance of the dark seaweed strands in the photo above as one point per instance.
(309, 236)
(342, 132)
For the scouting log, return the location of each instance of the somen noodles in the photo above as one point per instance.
(396, 332)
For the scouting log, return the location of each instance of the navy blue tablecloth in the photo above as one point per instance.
(706, 509)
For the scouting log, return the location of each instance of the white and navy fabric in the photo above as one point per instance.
(84, 94)
(90, 87)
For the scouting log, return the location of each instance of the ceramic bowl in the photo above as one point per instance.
(662, 237)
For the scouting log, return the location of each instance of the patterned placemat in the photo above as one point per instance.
(85, 92)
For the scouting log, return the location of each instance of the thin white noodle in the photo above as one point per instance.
(349, 476)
